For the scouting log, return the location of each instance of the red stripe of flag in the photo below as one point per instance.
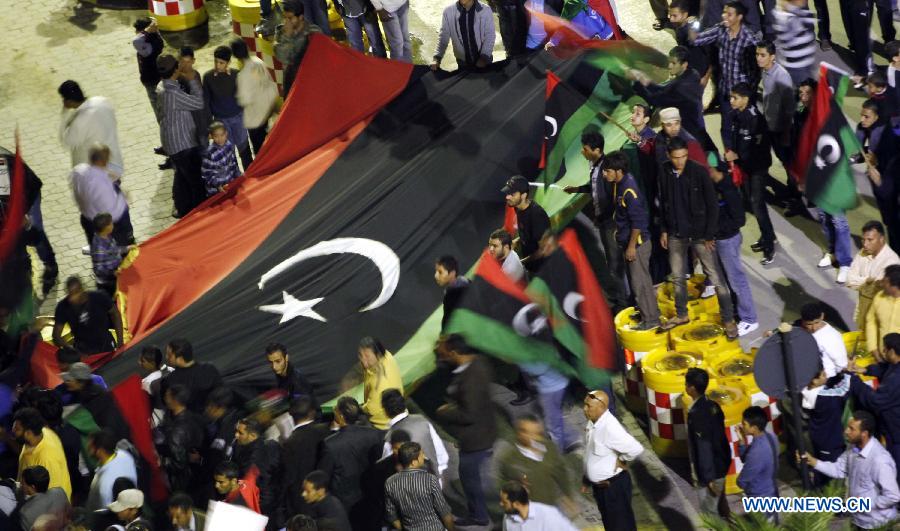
(598, 323)
(489, 269)
(12, 225)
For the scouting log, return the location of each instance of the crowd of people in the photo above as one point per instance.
(666, 201)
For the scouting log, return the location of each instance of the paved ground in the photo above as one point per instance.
(55, 40)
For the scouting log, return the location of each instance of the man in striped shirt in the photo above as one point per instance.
(736, 44)
(413, 498)
(178, 132)
(795, 39)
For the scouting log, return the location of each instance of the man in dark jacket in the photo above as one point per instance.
(728, 247)
(149, 45)
(34, 234)
(531, 219)
(348, 458)
(251, 450)
(709, 448)
(603, 206)
(468, 416)
(750, 152)
(199, 378)
(446, 276)
(689, 220)
(288, 377)
(823, 402)
(683, 91)
(880, 148)
(301, 451)
(184, 434)
(883, 402)
(222, 418)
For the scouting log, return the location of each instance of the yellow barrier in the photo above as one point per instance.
(175, 15)
(663, 372)
(703, 336)
(636, 344)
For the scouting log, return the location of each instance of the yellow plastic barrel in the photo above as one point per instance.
(663, 371)
(856, 351)
(178, 15)
(744, 375)
(733, 399)
(704, 336)
(697, 308)
(636, 344)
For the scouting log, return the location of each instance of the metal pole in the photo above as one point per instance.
(791, 378)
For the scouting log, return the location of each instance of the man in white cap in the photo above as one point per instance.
(128, 507)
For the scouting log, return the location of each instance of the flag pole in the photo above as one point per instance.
(615, 123)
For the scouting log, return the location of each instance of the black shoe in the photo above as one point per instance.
(825, 45)
(758, 246)
(176, 214)
(793, 211)
(48, 280)
(167, 165)
(159, 150)
(768, 257)
(660, 25)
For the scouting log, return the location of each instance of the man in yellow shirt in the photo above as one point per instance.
(883, 316)
(40, 447)
(380, 372)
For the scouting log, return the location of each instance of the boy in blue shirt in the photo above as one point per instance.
(632, 234)
(106, 253)
(219, 166)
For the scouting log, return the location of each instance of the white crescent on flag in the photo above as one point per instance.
(380, 254)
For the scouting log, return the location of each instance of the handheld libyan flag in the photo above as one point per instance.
(826, 144)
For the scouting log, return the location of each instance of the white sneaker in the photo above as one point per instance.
(86, 250)
(842, 274)
(708, 292)
(745, 328)
(825, 261)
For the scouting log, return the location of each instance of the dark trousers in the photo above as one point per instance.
(614, 503)
(470, 465)
(890, 216)
(761, 210)
(513, 26)
(257, 137)
(886, 20)
(246, 156)
(187, 186)
(615, 263)
(824, 20)
(859, 17)
(660, 10)
(726, 117)
(122, 232)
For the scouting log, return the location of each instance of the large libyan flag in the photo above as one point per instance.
(373, 170)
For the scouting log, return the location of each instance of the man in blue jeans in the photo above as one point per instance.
(837, 234)
(728, 247)
(468, 415)
(357, 16)
(394, 16)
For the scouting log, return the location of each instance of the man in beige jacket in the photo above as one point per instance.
(867, 268)
(883, 316)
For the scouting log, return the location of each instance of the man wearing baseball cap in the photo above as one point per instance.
(128, 508)
(531, 219)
